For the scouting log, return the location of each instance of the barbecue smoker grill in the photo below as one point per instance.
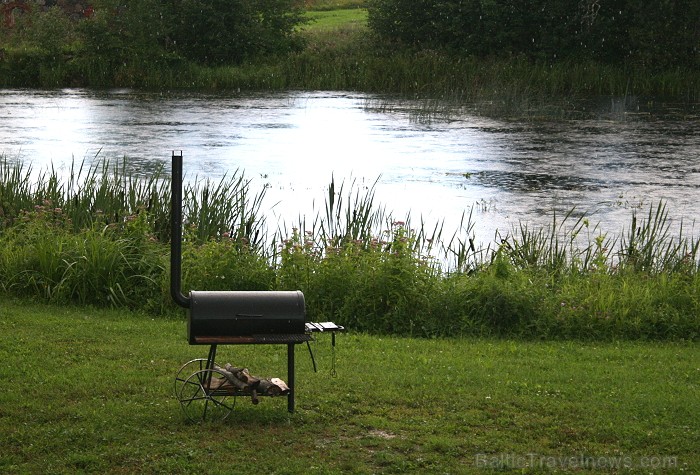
(215, 318)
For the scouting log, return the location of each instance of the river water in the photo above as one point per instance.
(618, 157)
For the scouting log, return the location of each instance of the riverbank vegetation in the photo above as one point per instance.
(100, 237)
(456, 51)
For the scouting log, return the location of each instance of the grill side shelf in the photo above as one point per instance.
(323, 327)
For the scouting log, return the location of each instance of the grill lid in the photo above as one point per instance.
(244, 313)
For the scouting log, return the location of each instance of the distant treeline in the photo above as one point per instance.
(447, 48)
(655, 35)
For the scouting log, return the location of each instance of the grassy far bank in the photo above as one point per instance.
(322, 21)
(340, 38)
(91, 391)
(341, 54)
(327, 5)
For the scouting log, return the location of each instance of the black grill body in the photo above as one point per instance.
(244, 313)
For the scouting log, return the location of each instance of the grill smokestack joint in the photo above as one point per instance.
(176, 234)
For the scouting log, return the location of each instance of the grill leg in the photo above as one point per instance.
(210, 365)
(290, 376)
(212, 357)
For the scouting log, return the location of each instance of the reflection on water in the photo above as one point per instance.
(523, 182)
(615, 156)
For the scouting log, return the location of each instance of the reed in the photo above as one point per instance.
(224, 209)
(460, 254)
(100, 193)
(350, 216)
(563, 246)
(109, 193)
(649, 247)
(346, 58)
(15, 191)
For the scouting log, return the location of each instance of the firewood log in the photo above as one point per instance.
(243, 374)
(244, 381)
(268, 389)
(232, 369)
(232, 378)
(280, 384)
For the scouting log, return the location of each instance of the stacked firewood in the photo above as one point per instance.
(242, 380)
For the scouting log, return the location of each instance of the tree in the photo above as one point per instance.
(662, 34)
(122, 32)
(204, 31)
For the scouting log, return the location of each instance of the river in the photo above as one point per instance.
(621, 156)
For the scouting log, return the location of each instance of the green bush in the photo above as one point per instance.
(105, 266)
(144, 43)
(659, 36)
(225, 264)
(382, 286)
(226, 32)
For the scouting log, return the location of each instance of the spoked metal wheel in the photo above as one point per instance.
(186, 370)
(206, 395)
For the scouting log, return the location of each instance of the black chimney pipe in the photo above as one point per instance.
(176, 234)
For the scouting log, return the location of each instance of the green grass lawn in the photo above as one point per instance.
(92, 391)
(318, 5)
(323, 21)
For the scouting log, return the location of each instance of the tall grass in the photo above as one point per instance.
(108, 193)
(649, 246)
(97, 265)
(101, 193)
(98, 237)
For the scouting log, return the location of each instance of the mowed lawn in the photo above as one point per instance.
(326, 20)
(91, 391)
